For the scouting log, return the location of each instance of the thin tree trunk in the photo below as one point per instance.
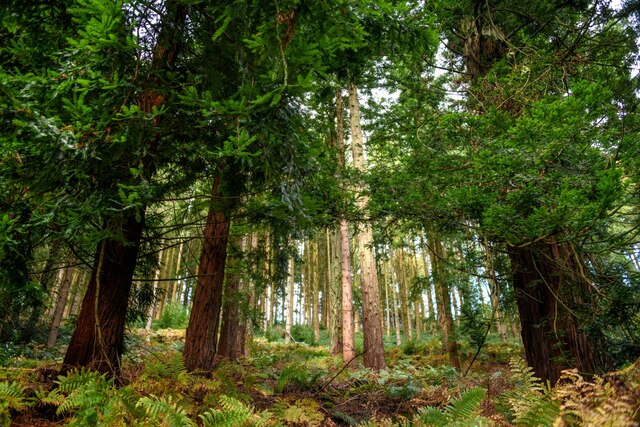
(431, 315)
(396, 316)
(494, 290)
(77, 285)
(202, 332)
(444, 303)
(290, 282)
(336, 292)
(404, 294)
(387, 311)
(63, 294)
(315, 290)
(152, 308)
(418, 303)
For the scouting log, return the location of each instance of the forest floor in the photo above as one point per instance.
(303, 385)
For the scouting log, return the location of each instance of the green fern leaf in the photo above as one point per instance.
(432, 417)
(466, 407)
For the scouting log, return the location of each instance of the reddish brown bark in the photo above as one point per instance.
(545, 285)
(97, 341)
(202, 332)
(231, 342)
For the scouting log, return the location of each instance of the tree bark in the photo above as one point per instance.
(98, 339)
(542, 273)
(63, 294)
(202, 332)
(404, 294)
(290, 282)
(444, 303)
(430, 315)
(315, 267)
(372, 319)
(231, 342)
(348, 335)
(335, 289)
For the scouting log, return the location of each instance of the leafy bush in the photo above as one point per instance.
(174, 316)
(303, 333)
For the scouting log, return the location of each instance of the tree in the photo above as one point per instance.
(372, 317)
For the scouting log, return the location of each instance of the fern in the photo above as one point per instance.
(11, 397)
(85, 391)
(463, 411)
(303, 412)
(596, 403)
(530, 401)
(161, 411)
(298, 374)
(170, 368)
(233, 413)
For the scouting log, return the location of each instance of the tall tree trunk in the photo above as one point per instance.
(315, 290)
(290, 282)
(202, 332)
(98, 339)
(335, 289)
(231, 342)
(404, 294)
(396, 307)
(387, 311)
(430, 316)
(494, 293)
(348, 335)
(77, 291)
(151, 313)
(418, 302)
(542, 273)
(63, 294)
(444, 303)
(372, 319)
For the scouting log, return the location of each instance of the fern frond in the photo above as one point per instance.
(431, 416)
(594, 403)
(531, 403)
(463, 411)
(233, 413)
(466, 406)
(164, 411)
(11, 397)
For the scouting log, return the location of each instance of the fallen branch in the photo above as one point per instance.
(343, 368)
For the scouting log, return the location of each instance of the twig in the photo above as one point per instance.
(343, 368)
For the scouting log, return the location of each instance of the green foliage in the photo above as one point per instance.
(303, 333)
(162, 411)
(463, 411)
(174, 316)
(11, 398)
(301, 412)
(297, 375)
(530, 402)
(165, 366)
(233, 413)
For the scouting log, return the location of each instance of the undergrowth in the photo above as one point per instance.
(303, 385)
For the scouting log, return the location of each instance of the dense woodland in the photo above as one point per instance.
(319, 212)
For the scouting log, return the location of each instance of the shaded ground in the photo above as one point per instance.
(301, 385)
